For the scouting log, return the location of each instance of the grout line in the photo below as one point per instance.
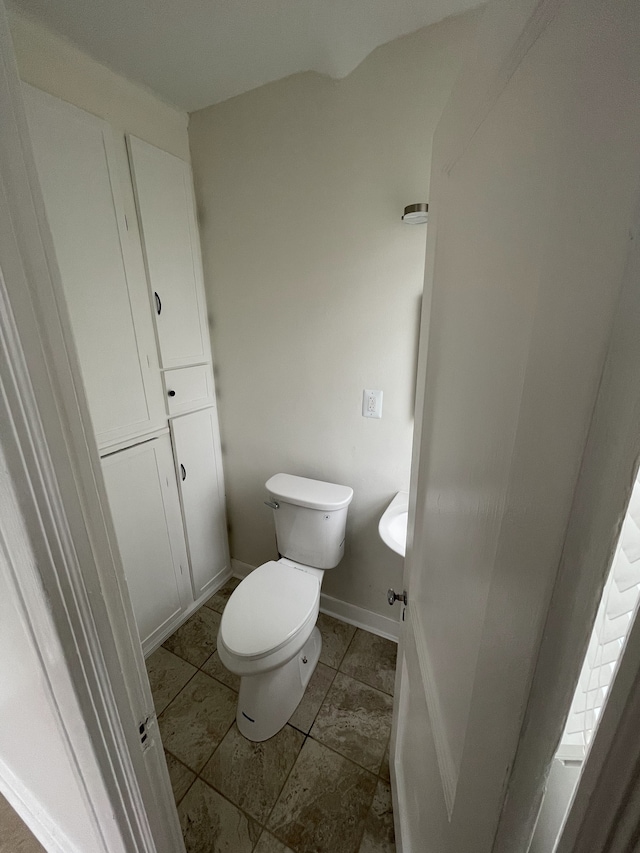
(350, 643)
(191, 784)
(364, 822)
(263, 825)
(213, 751)
(275, 803)
(335, 669)
(191, 677)
(344, 654)
(386, 750)
(306, 736)
(365, 683)
(359, 766)
(346, 758)
(231, 803)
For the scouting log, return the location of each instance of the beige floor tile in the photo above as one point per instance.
(317, 688)
(324, 803)
(196, 721)
(323, 800)
(218, 600)
(269, 844)
(181, 777)
(15, 835)
(211, 824)
(384, 767)
(216, 669)
(336, 637)
(168, 674)
(251, 775)
(355, 720)
(378, 829)
(371, 659)
(196, 640)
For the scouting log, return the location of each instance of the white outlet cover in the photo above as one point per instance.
(371, 404)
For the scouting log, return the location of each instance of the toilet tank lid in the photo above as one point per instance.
(314, 494)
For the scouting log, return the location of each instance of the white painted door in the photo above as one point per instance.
(143, 497)
(164, 196)
(197, 454)
(101, 268)
(531, 205)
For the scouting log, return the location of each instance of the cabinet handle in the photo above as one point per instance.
(183, 472)
(171, 393)
(158, 303)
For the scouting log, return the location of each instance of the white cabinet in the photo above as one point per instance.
(189, 388)
(101, 267)
(164, 197)
(197, 453)
(143, 496)
(139, 373)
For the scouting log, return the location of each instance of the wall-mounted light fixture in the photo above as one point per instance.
(416, 214)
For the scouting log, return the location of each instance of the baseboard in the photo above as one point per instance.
(219, 581)
(383, 626)
(240, 569)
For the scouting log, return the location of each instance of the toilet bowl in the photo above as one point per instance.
(268, 634)
(268, 637)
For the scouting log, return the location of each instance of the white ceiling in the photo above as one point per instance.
(194, 53)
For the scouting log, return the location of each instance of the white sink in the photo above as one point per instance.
(393, 524)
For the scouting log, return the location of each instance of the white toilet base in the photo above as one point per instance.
(267, 701)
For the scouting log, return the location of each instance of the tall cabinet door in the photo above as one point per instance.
(102, 270)
(143, 496)
(164, 197)
(197, 454)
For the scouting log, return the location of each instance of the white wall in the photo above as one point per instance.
(31, 739)
(314, 285)
(54, 65)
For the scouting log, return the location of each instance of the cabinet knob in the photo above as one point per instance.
(171, 393)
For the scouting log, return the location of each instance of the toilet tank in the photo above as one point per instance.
(310, 519)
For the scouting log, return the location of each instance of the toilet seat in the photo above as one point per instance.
(268, 610)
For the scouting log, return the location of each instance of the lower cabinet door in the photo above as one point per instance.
(196, 446)
(143, 496)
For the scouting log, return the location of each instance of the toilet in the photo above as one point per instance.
(268, 634)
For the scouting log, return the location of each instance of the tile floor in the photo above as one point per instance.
(15, 836)
(321, 785)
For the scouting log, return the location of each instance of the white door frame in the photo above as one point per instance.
(46, 433)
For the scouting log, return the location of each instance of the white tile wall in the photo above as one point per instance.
(613, 620)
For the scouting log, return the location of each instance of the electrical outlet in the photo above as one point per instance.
(371, 404)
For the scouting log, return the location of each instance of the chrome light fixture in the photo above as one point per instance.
(416, 214)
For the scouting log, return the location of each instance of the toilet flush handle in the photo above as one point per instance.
(273, 504)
